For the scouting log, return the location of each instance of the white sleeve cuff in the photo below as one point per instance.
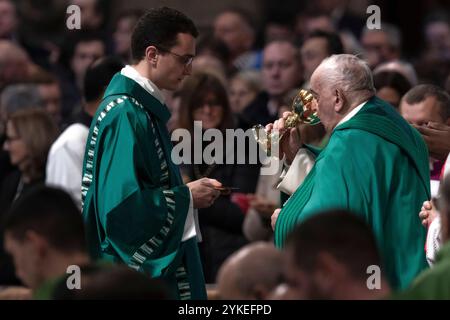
(433, 242)
(292, 177)
(191, 227)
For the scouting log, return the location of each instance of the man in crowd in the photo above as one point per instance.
(318, 46)
(427, 108)
(333, 255)
(235, 29)
(79, 51)
(44, 234)
(381, 45)
(250, 273)
(281, 72)
(8, 20)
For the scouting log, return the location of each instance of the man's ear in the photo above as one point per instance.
(328, 272)
(39, 243)
(151, 55)
(339, 101)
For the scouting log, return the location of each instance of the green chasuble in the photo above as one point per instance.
(375, 165)
(432, 284)
(134, 201)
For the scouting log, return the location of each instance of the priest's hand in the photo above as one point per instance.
(204, 192)
(275, 217)
(437, 138)
(290, 141)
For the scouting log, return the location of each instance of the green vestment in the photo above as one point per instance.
(375, 165)
(134, 201)
(431, 284)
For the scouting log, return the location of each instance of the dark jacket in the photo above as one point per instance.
(221, 224)
(256, 113)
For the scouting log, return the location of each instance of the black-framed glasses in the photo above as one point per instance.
(185, 60)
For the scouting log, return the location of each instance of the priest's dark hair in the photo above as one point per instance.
(52, 214)
(98, 76)
(340, 233)
(159, 27)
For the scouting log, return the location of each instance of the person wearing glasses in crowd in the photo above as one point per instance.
(136, 208)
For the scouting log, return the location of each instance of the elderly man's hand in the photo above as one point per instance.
(437, 138)
(203, 192)
(427, 213)
(290, 142)
(275, 217)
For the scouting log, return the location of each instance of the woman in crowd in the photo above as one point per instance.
(391, 86)
(203, 98)
(29, 136)
(244, 87)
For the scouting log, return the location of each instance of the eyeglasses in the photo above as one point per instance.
(185, 60)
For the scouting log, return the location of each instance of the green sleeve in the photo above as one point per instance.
(141, 221)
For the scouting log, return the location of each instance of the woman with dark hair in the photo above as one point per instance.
(391, 86)
(204, 98)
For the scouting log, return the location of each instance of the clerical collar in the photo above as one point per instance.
(145, 83)
(352, 113)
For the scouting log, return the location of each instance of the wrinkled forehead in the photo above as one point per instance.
(316, 81)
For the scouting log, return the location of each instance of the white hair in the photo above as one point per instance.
(347, 72)
(402, 67)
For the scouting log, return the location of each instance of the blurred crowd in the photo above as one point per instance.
(51, 82)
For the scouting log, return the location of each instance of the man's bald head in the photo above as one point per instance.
(250, 273)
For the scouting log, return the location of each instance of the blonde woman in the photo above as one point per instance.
(29, 135)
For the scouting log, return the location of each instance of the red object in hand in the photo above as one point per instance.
(241, 200)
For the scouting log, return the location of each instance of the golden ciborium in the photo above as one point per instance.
(301, 113)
